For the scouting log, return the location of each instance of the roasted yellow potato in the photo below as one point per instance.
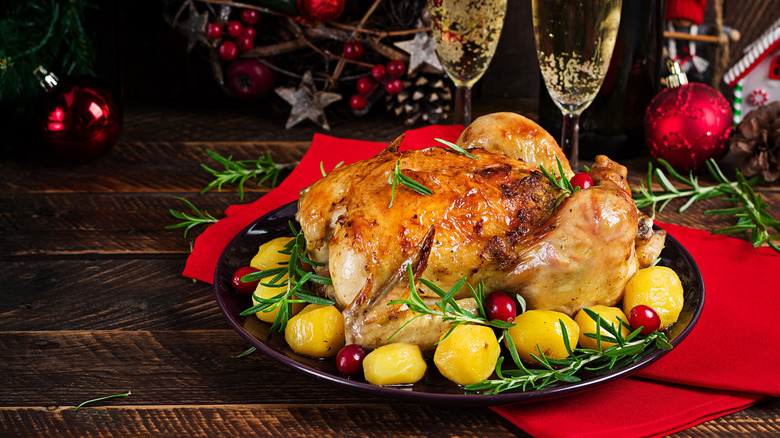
(317, 331)
(541, 328)
(658, 287)
(268, 255)
(588, 325)
(269, 315)
(468, 355)
(394, 364)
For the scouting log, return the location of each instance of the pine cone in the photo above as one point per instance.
(756, 144)
(425, 97)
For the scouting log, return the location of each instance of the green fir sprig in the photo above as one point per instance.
(293, 278)
(239, 171)
(190, 220)
(447, 308)
(628, 350)
(750, 210)
(396, 176)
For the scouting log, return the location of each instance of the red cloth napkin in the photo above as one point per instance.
(728, 362)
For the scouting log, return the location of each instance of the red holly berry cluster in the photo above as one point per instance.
(388, 75)
(239, 35)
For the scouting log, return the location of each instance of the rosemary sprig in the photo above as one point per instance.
(628, 350)
(396, 176)
(457, 148)
(239, 171)
(448, 309)
(749, 209)
(124, 394)
(322, 168)
(560, 182)
(293, 277)
(198, 217)
(249, 351)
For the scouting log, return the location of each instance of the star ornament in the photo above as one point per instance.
(422, 50)
(307, 102)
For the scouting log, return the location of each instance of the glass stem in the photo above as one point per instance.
(462, 105)
(570, 139)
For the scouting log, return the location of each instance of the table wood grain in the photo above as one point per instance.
(94, 302)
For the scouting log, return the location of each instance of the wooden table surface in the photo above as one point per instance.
(94, 302)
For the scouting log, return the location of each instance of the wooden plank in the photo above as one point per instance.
(152, 166)
(304, 420)
(104, 294)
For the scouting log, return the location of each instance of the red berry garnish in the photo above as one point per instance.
(499, 305)
(396, 68)
(244, 42)
(394, 86)
(240, 286)
(353, 49)
(349, 361)
(227, 50)
(379, 72)
(365, 85)
(234, 28)
(358, 102)
(250, 32)
(645, 317)
(213, 30)
(582, 180)
(249, 16)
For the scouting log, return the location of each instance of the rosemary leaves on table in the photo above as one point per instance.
(239, 171)
(293, 278)
(124, 394)
(190, 220)
(749, 209)
(628, 349)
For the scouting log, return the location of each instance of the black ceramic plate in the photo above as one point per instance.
(433, 388)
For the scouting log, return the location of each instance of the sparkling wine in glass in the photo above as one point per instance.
(574, 43)
(466, 33)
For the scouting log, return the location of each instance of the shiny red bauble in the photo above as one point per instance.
(353, 49)
(396, 68)
(645, 317)
(79, 118)
(349, 361)
(499, 305)
(249, 78)
(227, 50)
(581, 180)
(241, 287)
(688, 125)
(321, 10)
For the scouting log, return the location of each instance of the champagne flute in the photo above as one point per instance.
(574, 43)
(466, 33)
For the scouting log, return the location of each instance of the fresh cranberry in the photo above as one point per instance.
(379, 72)
(582, 180)
(353, 49)
(249, 16)
(240, 286)
(645, 317)
(250, 32)
(234, 28)
(394, 86)
(365, 85)
(396, 68)
(349, 361)
(227, 50)
(358, 102)
(213, 30)
(499, 305)
(245, 42)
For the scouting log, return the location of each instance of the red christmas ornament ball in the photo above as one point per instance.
(249, 78)
(79, 118)
(688, 125)
(321, 10)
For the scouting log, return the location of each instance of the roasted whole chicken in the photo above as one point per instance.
(496, 220)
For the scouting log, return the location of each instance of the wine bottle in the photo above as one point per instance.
(613, 125)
